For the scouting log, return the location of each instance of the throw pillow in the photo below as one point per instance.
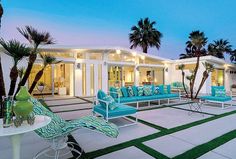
(130, 91)
(161, 89)
(113, 92)
(147, 90)
(220, 92)
(156, 90)
(111, 102)
(119, 93)
(213, 88)
(124, 91)
(140, 90)
(135, 90)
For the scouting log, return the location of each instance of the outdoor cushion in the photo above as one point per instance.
(156, 90)
(121, 110)
(219, 99)
(101, 95)
(161, 89)
(124, 91)
(111, 105)
(147, 90)
(143, 98)
(140, 91)
(113, 92)
(130, 91)
(119, 93)
(215, 87)
(220, 92)
(127, 99)
(135, 90)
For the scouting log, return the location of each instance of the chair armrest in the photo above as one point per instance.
(107, 104)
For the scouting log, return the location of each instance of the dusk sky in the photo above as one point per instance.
(108, 22)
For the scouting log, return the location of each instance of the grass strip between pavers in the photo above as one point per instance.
(134, 142)
(151, 151)
(149, 124)
(206, 147)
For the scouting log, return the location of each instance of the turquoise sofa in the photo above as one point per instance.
(215, 99)
(102, 108)
(138, 99)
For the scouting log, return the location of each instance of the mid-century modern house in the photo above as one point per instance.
(83, 72)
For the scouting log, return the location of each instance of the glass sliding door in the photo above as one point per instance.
(46, 79)
(217, 77)
(120, 76)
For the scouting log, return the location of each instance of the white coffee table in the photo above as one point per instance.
(16, 133)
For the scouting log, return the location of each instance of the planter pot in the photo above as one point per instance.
(40, 88)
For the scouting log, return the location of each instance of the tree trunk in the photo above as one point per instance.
(195, 73)
(183, 81)
(2, 89)
(32, 59)
(145, 48)
(36, 79)
(204, 78)
(13, 77)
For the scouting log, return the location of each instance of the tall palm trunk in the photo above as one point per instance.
(32, 59)
(145, 48)
(36, 79)
(2, 88)
(195, 73)
(13, 77)
(204, 78)
(183, 81)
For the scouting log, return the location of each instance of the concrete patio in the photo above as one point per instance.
(168, 131)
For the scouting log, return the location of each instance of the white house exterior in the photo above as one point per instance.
(84, 71)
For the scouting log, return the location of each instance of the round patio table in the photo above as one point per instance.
(15, 133)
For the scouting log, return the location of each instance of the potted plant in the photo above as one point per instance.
(41, 86)
(233, 87)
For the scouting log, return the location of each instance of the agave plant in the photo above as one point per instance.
(145, 35)
(36, 39)
(47, 60)
(17, 52)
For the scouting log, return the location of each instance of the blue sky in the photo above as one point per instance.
(108, 22)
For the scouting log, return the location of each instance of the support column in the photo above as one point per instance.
(136, 75)
(78, 80)
(105, 73)
(88, 80)
(95, 78)
(53, 87)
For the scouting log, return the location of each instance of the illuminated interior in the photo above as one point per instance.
(62, 78)
(217, 77)
(148, 75)
(120, 76)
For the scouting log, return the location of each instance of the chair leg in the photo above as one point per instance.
(137, 106)
(168, 101)
(42, 152)
(159, 102)
(57, 154)
(222, 107)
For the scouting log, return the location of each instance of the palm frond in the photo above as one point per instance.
(15, 49)
(36, 37)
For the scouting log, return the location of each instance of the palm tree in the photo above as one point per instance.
(2, 85)
(181, 67)
(145, 35)
(36, 39)
(233, 56)
(197, 40)
(17, 52)
(219, 47)
(47, 60)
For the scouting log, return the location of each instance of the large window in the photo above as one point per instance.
(149, 75)
(120, 76)
(217, 77)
